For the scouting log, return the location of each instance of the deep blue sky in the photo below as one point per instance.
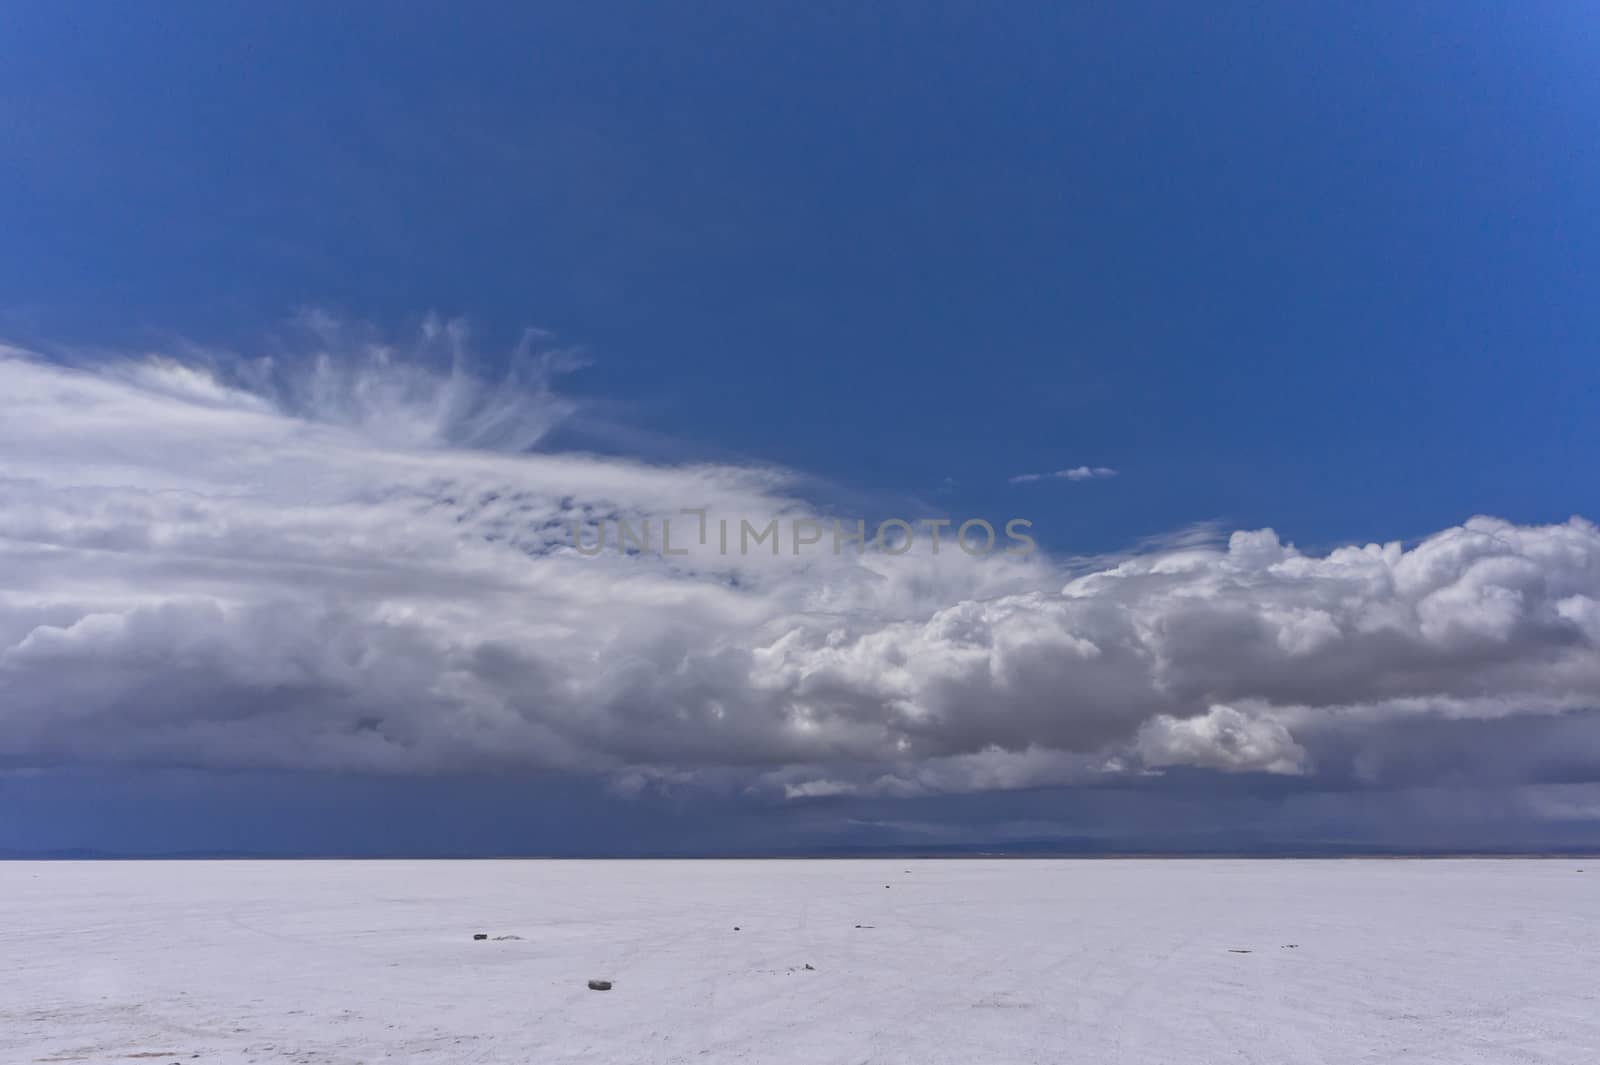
(1326, 267)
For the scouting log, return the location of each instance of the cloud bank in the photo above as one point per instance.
(357, 564)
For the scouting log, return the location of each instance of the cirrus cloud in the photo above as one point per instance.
(1074, 473)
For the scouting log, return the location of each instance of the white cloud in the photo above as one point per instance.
(200, 568)
(1076, 473)
(1222, 738)
(819, 789)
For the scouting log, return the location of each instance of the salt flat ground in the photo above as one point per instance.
(953, 961)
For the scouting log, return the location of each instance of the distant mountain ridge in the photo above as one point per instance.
(1053, 848)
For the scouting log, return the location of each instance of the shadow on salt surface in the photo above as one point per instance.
(1001, 1002)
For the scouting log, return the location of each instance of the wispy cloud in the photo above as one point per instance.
(1075, 473)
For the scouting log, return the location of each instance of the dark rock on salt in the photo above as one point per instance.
(480, 935)
(599, 985)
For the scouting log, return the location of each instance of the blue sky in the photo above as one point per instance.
(1327, 269)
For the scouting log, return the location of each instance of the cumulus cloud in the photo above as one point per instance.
(358, 564)
(1076, 473)
(1222, 738)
